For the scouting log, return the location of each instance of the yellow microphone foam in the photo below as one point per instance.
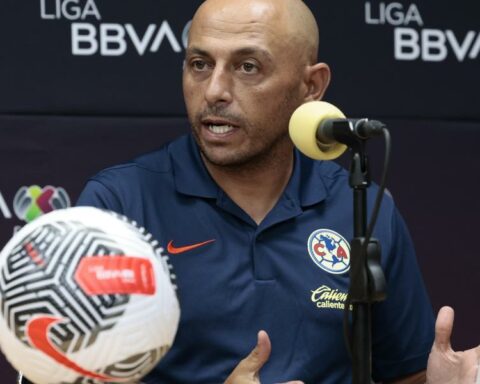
(303, 128)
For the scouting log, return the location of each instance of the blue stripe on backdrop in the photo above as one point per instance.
(397, 59)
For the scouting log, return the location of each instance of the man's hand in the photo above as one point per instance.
(445, 366)
(247, 371)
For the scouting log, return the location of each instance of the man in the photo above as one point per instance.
(247, 220)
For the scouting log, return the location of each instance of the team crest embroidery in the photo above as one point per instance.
(329, 250)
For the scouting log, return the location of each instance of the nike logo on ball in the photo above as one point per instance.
(37, 331)
(176, 250)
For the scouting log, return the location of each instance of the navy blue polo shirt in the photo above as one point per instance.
(288, 275)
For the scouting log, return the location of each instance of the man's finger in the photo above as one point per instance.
(443, 328)
(248, 369)
(259, 355)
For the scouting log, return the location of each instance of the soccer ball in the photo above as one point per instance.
(85, 297)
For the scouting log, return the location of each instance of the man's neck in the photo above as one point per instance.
(255, 187)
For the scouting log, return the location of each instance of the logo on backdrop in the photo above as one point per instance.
(90, 36)
(6, 213)
(31, 202)
(413, 41)
(329, 250)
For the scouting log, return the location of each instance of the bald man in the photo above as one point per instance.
(248, 66)
(243, 214)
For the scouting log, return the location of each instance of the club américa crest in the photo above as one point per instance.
(329, 250)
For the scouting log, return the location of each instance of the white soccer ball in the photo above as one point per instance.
(85, 297)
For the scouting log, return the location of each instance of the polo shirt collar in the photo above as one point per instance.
(306, 185)
(189, 172)
(191, 177)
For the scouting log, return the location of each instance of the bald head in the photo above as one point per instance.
(248, 65)
(290, 21)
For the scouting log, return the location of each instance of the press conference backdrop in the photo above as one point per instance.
(89, 83)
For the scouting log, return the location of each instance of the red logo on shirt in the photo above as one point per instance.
(175, 250)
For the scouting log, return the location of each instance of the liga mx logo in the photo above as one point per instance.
(329, 250)
(31, 202)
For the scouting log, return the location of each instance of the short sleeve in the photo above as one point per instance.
(97, 194)
(403, 324)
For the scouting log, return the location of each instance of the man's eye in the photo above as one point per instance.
(199, 65)
(249, 67)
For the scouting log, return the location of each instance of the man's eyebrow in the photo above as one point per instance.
(244, 51)
(253, 51)
(196, 51)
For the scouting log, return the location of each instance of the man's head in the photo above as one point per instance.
(249, 65)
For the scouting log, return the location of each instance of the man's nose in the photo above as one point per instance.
(219, 88)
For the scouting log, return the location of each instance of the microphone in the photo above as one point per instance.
(321, 131)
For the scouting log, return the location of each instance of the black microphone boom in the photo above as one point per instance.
(321, 131)
(345, 130)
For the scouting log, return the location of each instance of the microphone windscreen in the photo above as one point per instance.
(303, 130)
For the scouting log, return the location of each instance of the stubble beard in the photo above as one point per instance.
(271, 149)
(268, 154)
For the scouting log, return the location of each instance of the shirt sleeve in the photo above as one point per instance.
(403, 324)
(96, 194)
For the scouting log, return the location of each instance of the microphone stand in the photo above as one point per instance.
(367, 281)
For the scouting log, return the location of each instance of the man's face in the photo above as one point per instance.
(241, 83)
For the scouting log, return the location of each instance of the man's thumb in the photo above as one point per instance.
(443, 328)
(250, 366)
(259, 355)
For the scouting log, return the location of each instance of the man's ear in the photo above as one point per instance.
(317, 78)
